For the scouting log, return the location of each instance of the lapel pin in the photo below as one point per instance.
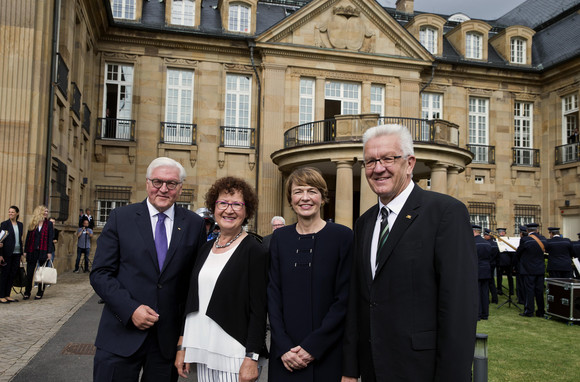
(179, 228)
(408, 216)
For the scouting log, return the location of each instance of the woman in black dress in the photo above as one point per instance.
(308, 287)
(10, 253)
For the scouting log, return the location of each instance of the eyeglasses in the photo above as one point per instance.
(223, 205)
(385, 161)
(158, 183)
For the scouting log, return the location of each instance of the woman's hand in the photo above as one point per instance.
(182, 367)
(249, 370)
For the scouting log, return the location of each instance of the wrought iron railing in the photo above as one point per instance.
(118, 129)
(86, 125)
(243, 137)
(525, 157)
(569, 153)
(422, 130)
(182, 133)
(482, 153)
(62, 76)
(311, 132)
(76, 100)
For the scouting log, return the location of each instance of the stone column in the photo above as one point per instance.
(439, 177)
(344, 193)
(452, 176)
(367, 197)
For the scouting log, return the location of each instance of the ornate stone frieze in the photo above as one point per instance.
(569, 89)
(239, 68)
(479, 91)
(345, 29)
(120, 56)
(180, 62)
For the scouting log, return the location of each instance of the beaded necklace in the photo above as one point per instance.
(228, 243)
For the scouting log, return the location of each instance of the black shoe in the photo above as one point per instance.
(500, 293)
(526, 315)
(495, 301)
(26, 297)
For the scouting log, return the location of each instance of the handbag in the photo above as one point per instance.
(45, 274)
(20, 277)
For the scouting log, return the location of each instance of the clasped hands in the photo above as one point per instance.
(296, 358)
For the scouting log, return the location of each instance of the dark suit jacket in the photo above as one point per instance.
(530, 256)
(126, 274)
(416, 320)
(484, 253)
(238, 303)
(560, 253)
(10, 240)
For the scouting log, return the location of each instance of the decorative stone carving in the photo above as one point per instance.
(345, 30)
(180, 62)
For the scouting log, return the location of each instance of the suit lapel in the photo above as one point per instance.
(368, 229)
(143, 223)
(408, 214)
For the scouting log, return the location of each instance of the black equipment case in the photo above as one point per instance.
(563, 298)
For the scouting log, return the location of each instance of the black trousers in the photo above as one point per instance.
(505, 270)
(32, 260)
(109, 367)
(534, 289)
(8, 274)
(484, 298)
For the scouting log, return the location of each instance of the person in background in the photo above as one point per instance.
(87, 215)
(506, 267)
(84, 235)
(276, 222)
(494, 263)
(55, 239)
(81, 214)
(560, 254)
(412, 308)
(225, 322)
(142, 262)
(38, 248)
(530, 254)
(484, 252)
(308, 286)
(10, 253)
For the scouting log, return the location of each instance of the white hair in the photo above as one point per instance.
(166, 162)
(405, 138)
(277, 218)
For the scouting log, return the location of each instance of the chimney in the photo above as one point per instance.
(405, 6)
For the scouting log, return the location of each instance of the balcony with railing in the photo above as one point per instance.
(179, 133)
(482, 153)
(525, 157)
(116, 129)
(62, 76)
(569, 153)
(76, 100)
(86, 125)
(240, 137)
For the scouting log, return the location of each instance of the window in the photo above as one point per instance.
(479, 179)
(239, 20)
(123, 9)
(118, 101)
(523, 134)
(238, 92)
(569, 152)
(478, 128)
(183, 12)
(346, 92)
(518, 50)
(179, 109)
(378, 99)
(185, 200)
(307, 87)
(431, 108)
(483, 214)
(428, 38)
(525, 214)
(109, 198)
(473, 45)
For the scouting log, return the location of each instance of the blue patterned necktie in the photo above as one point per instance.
(384, 230)
(161, 239)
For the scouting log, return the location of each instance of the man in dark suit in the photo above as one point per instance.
(560, 254)
(141, 270)
(484, 254)
(276, 222)
(411, 313)
(530, 254)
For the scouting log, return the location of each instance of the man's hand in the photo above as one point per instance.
(303, 354)
(144, 317)
(249, 370)
(348, 379)
(292, 360)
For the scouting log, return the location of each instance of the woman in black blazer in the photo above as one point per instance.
(38, 247)
(10, 253)
(225, 324)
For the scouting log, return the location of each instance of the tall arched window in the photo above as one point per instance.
(473, 45)
(428, 38)
(239, 20)
(518, 50)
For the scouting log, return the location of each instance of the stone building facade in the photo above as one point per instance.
(92, 90)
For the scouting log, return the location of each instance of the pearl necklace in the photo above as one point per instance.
(228, 243)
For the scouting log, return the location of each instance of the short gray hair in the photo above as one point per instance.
(166, 162)
(277, 218)
(405, 138)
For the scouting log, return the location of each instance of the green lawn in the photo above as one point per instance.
(530, 349)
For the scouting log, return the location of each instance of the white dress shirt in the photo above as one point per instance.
(170, 213)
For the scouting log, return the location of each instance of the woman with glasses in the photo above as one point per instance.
(10, 253)
(225, 324)
(308, 286)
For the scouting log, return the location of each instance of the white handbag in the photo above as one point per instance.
(45, 274)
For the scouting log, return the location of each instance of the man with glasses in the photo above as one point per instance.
(141, 271)
(413, 301)
(276, 222)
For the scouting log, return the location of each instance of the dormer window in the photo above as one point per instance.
(123, 9)
(473, 45)
(239, 20)
(428, 38)
(183, 12)
(518, 50)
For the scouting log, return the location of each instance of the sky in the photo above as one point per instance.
(478, 9)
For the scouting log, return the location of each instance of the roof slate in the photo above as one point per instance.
(532, 13)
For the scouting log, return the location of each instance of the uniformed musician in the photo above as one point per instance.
(560, 254)
(494, 263)
(530, 254)
(483, 272)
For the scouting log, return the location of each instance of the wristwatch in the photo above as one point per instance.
(253, 356)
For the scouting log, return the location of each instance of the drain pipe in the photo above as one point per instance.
(252, 45)
(48, 163)
(433, 67)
